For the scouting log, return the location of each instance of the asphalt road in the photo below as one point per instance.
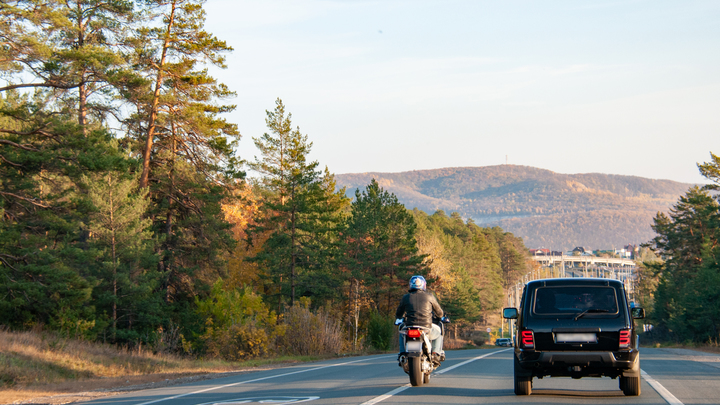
(673, 376)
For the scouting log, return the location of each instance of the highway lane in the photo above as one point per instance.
(467, 377)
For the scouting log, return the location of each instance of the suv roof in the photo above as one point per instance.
(576, 281)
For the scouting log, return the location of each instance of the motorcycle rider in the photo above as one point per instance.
(418, 307)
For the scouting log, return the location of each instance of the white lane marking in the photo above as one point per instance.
(250, 381)
(263, 400)
(664, 393)
(470, 361)
(406, 386)
(386, 396)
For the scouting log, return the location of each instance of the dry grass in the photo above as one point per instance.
(453, 344)
(41, 364)
(40, 358)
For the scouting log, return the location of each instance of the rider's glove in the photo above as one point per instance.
(398, 321)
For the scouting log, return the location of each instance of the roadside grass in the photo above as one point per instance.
(41, 357)
(712, 346)
(35, 358)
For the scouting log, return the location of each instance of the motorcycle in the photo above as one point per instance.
(417, 359)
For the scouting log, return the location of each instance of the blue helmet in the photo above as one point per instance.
(417, 283)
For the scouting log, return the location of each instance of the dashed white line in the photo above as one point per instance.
(664, 393)
(386, 396)
(470, 361)
(445, 370)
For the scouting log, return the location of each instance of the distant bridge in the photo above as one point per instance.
(576, 266)
(584, 261)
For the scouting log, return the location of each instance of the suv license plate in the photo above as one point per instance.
(575, 338)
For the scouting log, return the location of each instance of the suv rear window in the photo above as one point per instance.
(599, 300)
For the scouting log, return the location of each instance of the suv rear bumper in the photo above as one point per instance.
(577, 364)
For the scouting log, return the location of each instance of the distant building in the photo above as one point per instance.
(540, 252)
(582, 251)
(631, 251)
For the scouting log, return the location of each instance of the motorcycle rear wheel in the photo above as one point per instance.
(416, 374)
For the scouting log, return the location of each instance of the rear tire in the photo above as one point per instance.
(415, 367)
(630, 386)
(523, 384)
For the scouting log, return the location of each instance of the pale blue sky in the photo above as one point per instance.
(620, 87)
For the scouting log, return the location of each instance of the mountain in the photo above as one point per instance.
(547, 209)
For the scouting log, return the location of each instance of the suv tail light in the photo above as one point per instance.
(527, 339)
(624, 339)
(413, 333)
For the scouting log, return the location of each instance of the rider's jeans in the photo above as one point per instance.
(436, 340)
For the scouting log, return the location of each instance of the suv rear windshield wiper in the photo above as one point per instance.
(593, 310)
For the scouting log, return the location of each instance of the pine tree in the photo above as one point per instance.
(186, 147)
(42, 246)
(300, 215)
(176, 106)
(67, 53)
(118, 230)
(686, 238)
(381, 248)
(72, 48)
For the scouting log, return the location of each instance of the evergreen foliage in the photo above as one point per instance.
(686, 299)
(381, 251)
(302, 214)
(125, 268)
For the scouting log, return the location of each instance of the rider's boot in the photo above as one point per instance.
(437, 358)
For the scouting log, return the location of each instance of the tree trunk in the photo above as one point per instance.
(156, 101)
(114, 258)
(292, 250)
(82, 88)
(171, 186)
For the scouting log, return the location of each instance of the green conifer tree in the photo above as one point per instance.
(120, 233)
(381, 248)
(302, 212)
(187, 149)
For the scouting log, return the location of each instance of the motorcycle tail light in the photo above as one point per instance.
(413, 333)
(527, 339)
(624, 339)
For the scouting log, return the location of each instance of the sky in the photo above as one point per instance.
(617, 87)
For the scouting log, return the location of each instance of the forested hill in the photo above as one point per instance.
(547, 209)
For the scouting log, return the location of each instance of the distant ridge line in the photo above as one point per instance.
(545, 208)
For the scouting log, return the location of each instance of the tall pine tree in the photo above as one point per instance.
(382, 252)
(301, 214)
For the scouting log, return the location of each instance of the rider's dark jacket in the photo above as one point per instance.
(418, 307)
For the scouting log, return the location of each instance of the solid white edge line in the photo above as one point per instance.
(664, 393)
(250, 381)
(406, 386)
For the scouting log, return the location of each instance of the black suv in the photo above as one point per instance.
(576, 327)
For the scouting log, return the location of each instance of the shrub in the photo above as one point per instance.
(310, 333)
(239, 325)
(381, 331)
(238, 342)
